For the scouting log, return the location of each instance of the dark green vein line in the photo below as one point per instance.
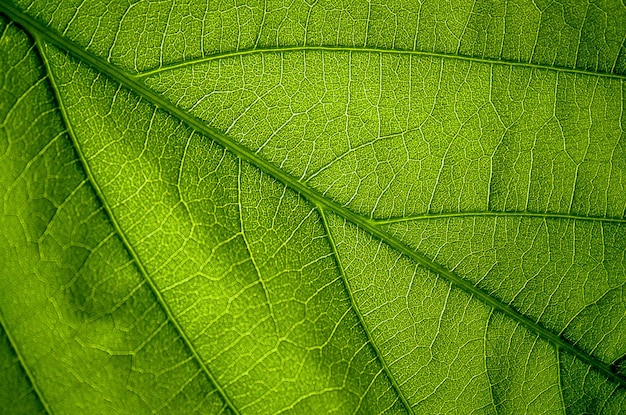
(136, 85)
(557, 351)
(29, 375)
(107, 208)
(284, 49)
(517, 214)
(360, 316)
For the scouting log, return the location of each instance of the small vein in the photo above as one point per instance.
(249, 250)
(486, 360)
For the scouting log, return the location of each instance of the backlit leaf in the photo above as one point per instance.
(312, 207)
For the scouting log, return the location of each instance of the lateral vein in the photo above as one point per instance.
(107, 208)
(497, 214)
(362, 49)
(25, 367)
(360, 316)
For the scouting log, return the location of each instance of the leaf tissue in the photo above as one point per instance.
(312, 207)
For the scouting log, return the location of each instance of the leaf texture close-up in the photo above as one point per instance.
(312, 207)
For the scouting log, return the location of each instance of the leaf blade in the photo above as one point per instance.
(320, 199)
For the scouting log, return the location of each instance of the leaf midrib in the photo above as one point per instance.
(139, 87)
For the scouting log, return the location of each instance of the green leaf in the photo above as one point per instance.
(312, 207)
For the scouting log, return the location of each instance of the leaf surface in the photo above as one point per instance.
(318, 207)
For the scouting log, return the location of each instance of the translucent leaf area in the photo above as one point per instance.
(312, 207)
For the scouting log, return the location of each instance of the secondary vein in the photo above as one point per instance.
(497, 214)
(112, 218)
(24, 366)
(360, 316)
(363, 49)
